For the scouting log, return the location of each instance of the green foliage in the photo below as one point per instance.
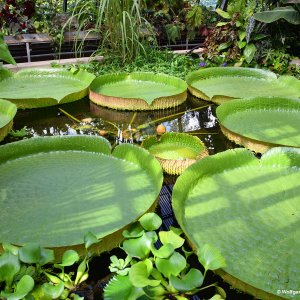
(157, 273)
(4, 52)
(30, 272)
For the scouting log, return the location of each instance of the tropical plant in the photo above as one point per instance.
(5, 54)
(138, 91)
(220, 84)
(8, 111)
(120, 25)
(247, 208)
(31, 272)
(156, 271)
(106, 189)
(31, 88)
(175, 151)
(265, 116)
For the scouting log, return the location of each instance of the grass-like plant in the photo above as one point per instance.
(120, 25)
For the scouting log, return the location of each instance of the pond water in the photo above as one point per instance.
(96, 120)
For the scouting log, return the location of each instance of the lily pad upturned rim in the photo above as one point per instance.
(137, 103)
(133, 155)
(219, 164)
(176, 166)
(239, 72)
(258, 103)
(49, 99)
(10, 110)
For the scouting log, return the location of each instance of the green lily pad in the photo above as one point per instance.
(261, 123)
(138, 91)
(175, 151)
(53, 190)
(32, 88)
(8, 111)
(220, 84)
(249, 210)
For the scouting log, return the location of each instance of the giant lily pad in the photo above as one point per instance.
(7, 112)
(261, 123)
(175, 151)
(32, 88)
(220, 84)
(249, 209)
(138, 91)
(53, 190)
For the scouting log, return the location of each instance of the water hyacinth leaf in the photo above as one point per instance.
(53, 291)
(150, 221)
(10, 248)
(188, 282)
(220, 84)
(164, 251)
(249, 52)
(23, 287)
(135, 230)
(211, 258)
(172, 265)
(121, 288)
(261, 123)
(170, 237)
(60, 167)
(33, 88)
(9, 267)
(138, 91)
(89, 240)
(8, 111)
(30, 253)
(139, 274)
(138, 247)
(69, 258)
(156, 292)
(246, 208)
(5, 54)
(47, 256)
(288, 13)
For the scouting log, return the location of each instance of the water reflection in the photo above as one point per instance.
(123, 126)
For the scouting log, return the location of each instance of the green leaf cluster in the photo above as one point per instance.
(152, 272)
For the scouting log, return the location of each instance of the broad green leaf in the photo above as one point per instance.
(10, 248)
(223, 13)
(211, 258)
(221, 292)
(139, 247)
(54, 279)
(30, 253)
(120, 288)
(206, 210)
(23, 287)
(47, 256)
(54, 291)
(219, 24)
(51, 164)
(32, 88)
(135, 230)
(5, 53)
(249, 52)
(288, 13)
(219, 84)
(216, 297)
(69, 258)
(224, 46)
(265, 115)
(80, 271)
(7, 113)
(169, 237)
(242, 35)
(164, 251)
(138, 90)
(241, 44)
(150, 221)
(90, 239)
(9, 267)
(193, 279)
(139, 274)
(154, 292)
(172, 265)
